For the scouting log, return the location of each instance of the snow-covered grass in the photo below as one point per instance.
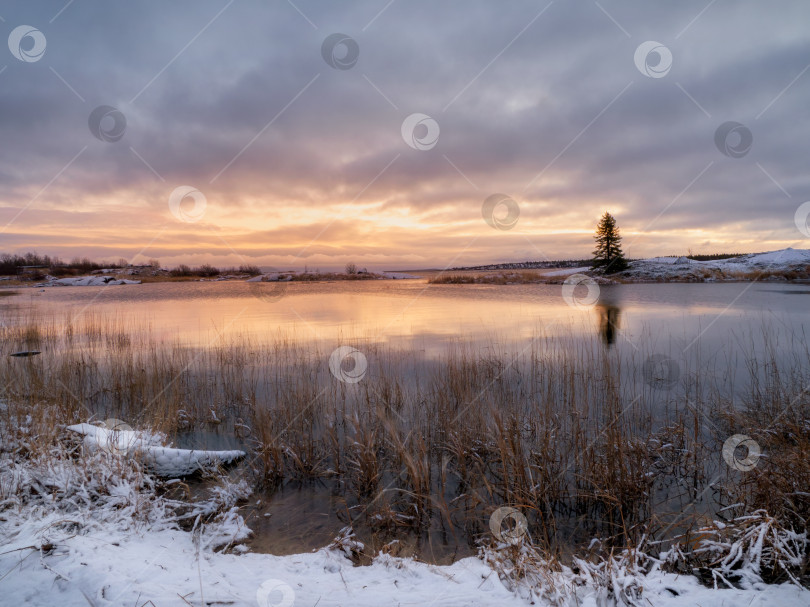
(747, 551)
(785, 264)
(82, 528)
(86, 281)
(151, 450)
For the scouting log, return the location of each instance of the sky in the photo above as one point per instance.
(400, 134)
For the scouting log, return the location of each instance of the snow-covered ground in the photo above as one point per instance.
(85, 562)
(762, 265)
(567, 271)
(86, 281)
(84, 523)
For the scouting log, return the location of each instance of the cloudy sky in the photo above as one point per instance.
(246, 132)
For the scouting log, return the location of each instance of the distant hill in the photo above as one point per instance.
(529, 265)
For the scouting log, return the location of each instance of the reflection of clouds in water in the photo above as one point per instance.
(431, 319)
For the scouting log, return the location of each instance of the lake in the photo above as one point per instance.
(413, 314)
(244, 365)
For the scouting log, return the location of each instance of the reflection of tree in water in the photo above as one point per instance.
(609, 318)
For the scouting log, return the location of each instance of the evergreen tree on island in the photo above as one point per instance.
(608, 255)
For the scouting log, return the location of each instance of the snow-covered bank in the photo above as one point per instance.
(85, 281)
(79, 561)
(108, 567)
(785, 264)
(567, 271)
(91, 527)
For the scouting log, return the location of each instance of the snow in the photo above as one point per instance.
(784, 256)
(97, 531)
(567, 271)
(111, 568)
(96, 528)
(682, 268)
(87, 281)
(99, 564)
(163, 461)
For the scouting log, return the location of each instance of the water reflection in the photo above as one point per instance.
(411, 314)
(609, 316)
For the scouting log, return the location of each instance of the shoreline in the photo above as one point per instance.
(99, 524)
(786, 265)
(120, 279)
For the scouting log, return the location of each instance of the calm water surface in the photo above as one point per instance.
(411, 313)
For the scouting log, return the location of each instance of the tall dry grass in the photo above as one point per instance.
(567, 431)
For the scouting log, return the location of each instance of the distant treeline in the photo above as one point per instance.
(713, 256)
(12, 264)
(207, 270)
(532, 265)
(36, 266)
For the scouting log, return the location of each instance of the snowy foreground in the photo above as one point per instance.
(83, 526)
(101, 565)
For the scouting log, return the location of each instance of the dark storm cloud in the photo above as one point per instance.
(541, 101)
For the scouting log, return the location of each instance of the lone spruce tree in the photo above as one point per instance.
(608, 255)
